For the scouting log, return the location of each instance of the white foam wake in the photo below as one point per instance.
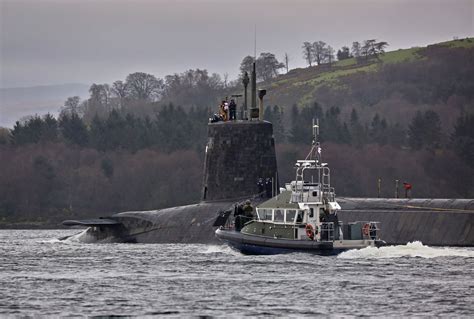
(412, 249)
(219, 249)
(76, 238)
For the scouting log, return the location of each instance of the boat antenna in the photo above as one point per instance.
(255, 43)
(315, 152)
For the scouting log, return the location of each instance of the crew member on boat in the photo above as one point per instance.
(248, 209)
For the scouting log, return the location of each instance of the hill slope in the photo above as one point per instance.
(396, 85)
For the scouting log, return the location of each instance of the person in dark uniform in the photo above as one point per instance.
(238, 214)
(232, 110)
(248, 209)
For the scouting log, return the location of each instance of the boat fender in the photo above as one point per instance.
(309, 231)
(365, 229)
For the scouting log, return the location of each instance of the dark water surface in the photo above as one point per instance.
(42, 276)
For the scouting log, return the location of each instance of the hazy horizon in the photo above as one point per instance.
(57, 42)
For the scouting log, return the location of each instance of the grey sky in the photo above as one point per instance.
(52, 42)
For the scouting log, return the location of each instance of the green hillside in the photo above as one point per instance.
(426, 77)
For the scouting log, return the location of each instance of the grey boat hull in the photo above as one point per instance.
(261, 245)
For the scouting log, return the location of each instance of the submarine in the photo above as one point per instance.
(240, 152)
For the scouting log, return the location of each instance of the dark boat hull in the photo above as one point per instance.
(260, 245)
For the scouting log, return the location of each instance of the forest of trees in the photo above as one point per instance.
(138, 143)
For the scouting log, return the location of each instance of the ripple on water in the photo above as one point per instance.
(41, 275)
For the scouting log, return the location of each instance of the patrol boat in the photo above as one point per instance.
(303, 217)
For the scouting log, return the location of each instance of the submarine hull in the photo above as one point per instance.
(182, 224)
(437, 222)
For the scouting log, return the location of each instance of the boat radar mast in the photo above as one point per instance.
(315, 152)
(318, 190)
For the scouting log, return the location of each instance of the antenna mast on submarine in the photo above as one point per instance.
(254, 74)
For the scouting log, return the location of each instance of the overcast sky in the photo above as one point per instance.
(85, 41)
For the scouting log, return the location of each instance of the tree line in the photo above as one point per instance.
(170, 130)
(424, 131)
(174, 128)
(319, 52)
(142, 94)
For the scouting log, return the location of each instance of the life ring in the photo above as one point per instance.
(365, 229)
(309, 231)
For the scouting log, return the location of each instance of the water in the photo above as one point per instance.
(42, 276)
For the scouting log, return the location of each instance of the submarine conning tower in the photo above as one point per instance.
(238, 153)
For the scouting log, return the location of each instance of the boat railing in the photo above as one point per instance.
(327, 231)
(329, 193)
(370, 229)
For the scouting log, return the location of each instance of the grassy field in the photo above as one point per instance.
(304, 82)
(461, 43)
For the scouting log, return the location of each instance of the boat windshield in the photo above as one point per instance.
(279, 215)
(290, 216)
(265, 214)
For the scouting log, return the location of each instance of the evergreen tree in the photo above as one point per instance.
(424, 131)
(73, 129)
(296, 130)
(331, 128)
(378, 130)
(396, 135)
(415, 131)
(357, 131)
(97, 134)
(49, 131)
(463, 138)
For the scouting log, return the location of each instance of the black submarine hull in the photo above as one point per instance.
(436, 222)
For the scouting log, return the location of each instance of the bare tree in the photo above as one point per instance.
(71, 105)
(319, 52)
(100, 95)
(287, 59)
(120, 90)
(330, 54)
(246, 65)
(356, 49)
(226, 78)
(268, 66)
(144, 86)
(308, 52)
(343, 53)
(372, 48)
(380, 47)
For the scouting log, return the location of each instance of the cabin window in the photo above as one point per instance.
(299, 216)
(290, 216)
(279, 215)
(265, 214)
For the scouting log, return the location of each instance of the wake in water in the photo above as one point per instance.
(220, 249)
(76, 238)
(413, 249)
